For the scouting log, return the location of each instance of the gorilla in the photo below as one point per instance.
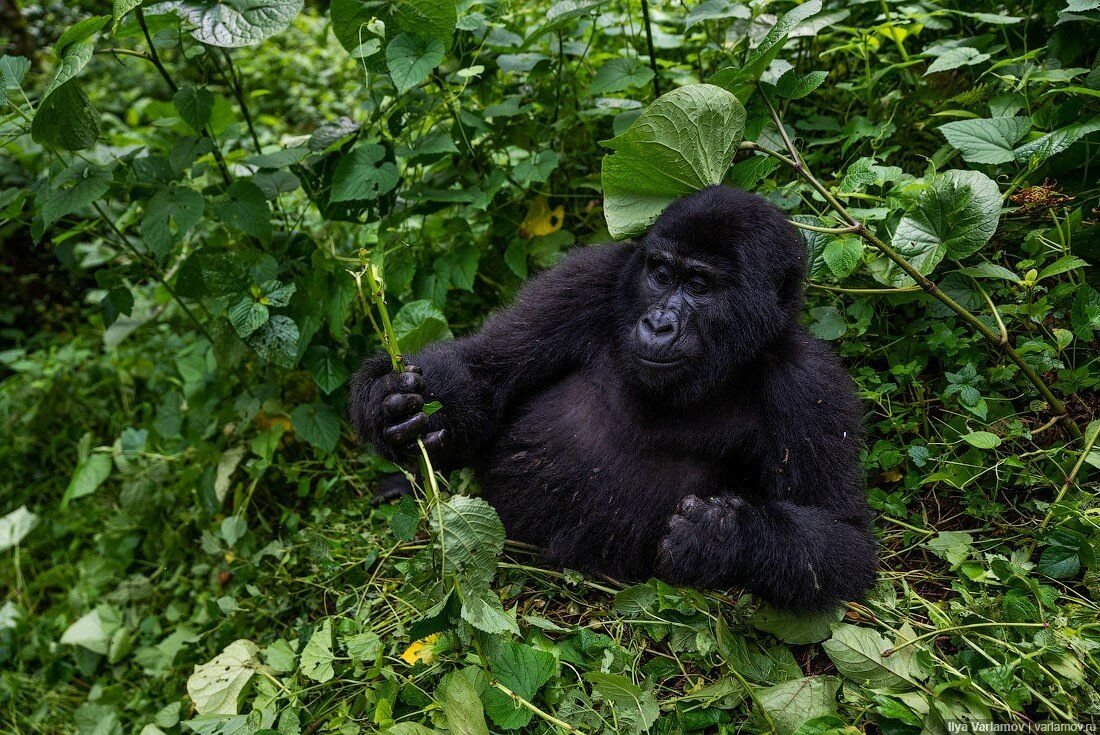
(655, 408)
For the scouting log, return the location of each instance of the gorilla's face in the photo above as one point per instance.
(711, 286)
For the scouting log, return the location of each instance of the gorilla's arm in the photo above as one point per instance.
(558, 319)
(803, 540)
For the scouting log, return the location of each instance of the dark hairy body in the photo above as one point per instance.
(655, 408)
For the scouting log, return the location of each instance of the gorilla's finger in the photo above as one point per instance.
(689, 503)
(406, 431)
(679, 523)
(414, 369)
(435, 439)
(410, 383)
(402, 404)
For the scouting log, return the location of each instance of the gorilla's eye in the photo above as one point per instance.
(698, 286)
(659, 272)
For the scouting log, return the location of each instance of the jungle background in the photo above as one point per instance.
(211, 211)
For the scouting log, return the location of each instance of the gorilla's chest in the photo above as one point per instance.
(576, 471)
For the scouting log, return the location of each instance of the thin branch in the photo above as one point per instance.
(865, 291)
(652, 52)
(826, 230)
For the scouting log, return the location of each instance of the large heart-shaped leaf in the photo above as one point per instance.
(683, 142)
(411, 57)
(956, 215)
(233, 23)
(363, 175)
(216, 686)
(429, 19)
(986, 140)
(66, 119)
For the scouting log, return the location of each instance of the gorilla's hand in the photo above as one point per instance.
(400, 419)
(698, 533)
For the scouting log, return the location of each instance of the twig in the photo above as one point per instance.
(652, 53)
(826, 230)
(544, 715)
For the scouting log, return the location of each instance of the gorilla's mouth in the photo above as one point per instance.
(660, 364)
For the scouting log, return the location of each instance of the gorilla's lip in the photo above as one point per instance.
(660, 363)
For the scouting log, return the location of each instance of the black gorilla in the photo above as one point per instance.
(655, 408)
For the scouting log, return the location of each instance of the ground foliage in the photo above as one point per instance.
(199, 199)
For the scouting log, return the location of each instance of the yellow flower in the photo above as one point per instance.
(422, 650)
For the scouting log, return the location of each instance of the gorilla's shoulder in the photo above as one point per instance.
(801, 372)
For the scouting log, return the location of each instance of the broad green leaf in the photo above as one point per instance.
(795, 87)
(169, 214)
(990, 270)
(364, 647)
(66, 120)
(537, 167)
(635, 707)
(458, 698)
(120, 9)
(216, 686)
(410, 58)
(982, 439)
(482, 609)
(97, 719)
(954, 547)
(472, 537)
(858, 654)
(715, 10)
(990, 140)
(89, 475)
(12, 71)
(244, 208)
(956, 215)
(195, 105)
(419, 323)
(523, 670)
(15, 526)
(619, 75)
(317, 656)
(1055, 142)
(232, 529)
(93, 630)
(842, 255)
(795, 628)
(793, 703)
(683, 142)
(327, 367)
(247, 315)
(956, 57)
(317, 424)
(431, 19)
(828, 323)
(74, 50)
(359, 176)
(277, 341)
(281, 657)
(1060, 562)
(233, 23)
(1065, 264)
(74, 189)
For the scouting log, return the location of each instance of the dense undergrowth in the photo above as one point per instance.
(191, 216)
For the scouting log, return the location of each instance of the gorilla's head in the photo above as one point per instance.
(715, 280)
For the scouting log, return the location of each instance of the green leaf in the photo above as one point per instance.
(12, 71)
(66, 120)
(277, 341)
(411, 57)
(120, 9)
(956, 215)
(989, 270)
(89, 475)
(93, 630)
(169, 215)
(195, 105)
(244, 208)
(794, 87)
(683, 142)
(233, 23)
(97, 719)
(1060, 562)
(714, 10)
(419, 323)
(317, 656)
(472, 537)
(828, 323)
(954, 547)
(431, 19)
(739, 80)
(317, 424)
(216, 686)
(982, 439)
(73, 189)
(74, 50)
(956, 57)
(523, 670)
(458, 697)
(794, 703)
(842, 255)
(15, 526)
(1065, 264)
(989, 140)
(537, 167)
(247, 315)
(359, 176)
(327, 367)
(795, 628)
(619, 75)
(1035, 152)
(858, 654)
(363, 647)
(482, 609)
(635, 708)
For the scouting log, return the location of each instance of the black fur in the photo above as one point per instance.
(736, 466)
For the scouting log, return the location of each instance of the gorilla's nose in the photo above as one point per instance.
(659, 327)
